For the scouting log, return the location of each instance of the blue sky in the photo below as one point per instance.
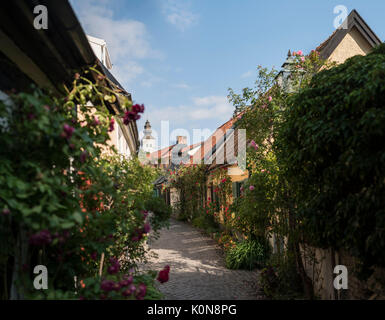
(179, 57)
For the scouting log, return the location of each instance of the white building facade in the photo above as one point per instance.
(119, 137)
(148, 143)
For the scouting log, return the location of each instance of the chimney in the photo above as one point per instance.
(181, 140)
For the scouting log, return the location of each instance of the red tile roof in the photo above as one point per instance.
(203, 152)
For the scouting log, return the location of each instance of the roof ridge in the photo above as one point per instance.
(354, 19)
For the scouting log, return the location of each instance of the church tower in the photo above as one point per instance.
(148, 141)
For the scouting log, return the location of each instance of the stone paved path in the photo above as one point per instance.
(197, 267)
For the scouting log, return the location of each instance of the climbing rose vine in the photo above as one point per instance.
(67, 204)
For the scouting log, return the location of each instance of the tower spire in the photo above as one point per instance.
(148, 141)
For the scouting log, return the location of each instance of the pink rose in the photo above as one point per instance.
(141, 291)
(96, 121)
(126, 282)
(67, 131)
(251, 188)
(146, 228)
(111, 127)
(131, 289)
(83, 156)
(254, 145)
(107, 285)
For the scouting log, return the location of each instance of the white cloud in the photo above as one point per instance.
(181, 85)
(127, 71)
(178, 14)
(151, 80)
(127, 39)
(247, 74)
(205, 108)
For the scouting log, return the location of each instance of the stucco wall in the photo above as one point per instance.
(319, 267)
(351, 45)
(116, 136)
(174, 200)
(236, 174)
(118, 140)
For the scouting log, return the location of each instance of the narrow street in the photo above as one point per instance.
(197, 269)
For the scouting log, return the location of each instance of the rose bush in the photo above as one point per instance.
(65, 202)
(190, 182)
(267, 204)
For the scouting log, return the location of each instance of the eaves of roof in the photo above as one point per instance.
(48, 57)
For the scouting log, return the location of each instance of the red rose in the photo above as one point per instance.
(138, 108)
(163, 274)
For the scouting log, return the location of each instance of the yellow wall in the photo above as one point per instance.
(351, 45)
(236, 174)
(113, 135)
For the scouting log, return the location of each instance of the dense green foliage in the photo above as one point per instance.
(206, 222)
(190, 183)
(65, 203)
(160, 212)
(280, 279)
(255, 208)
(266, 206)
(247, 254)
(331, 143)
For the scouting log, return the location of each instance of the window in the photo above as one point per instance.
(237, 188)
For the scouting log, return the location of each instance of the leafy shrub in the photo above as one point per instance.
(226, 240)
(181, 215)
(206, 222)
(254, 210)
(330, 144)
(64, 203)
(280, 279)
(190, 183)
(116, 287)
(247, 254)
(161, 212)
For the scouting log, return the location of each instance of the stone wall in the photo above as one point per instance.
(319, 265)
